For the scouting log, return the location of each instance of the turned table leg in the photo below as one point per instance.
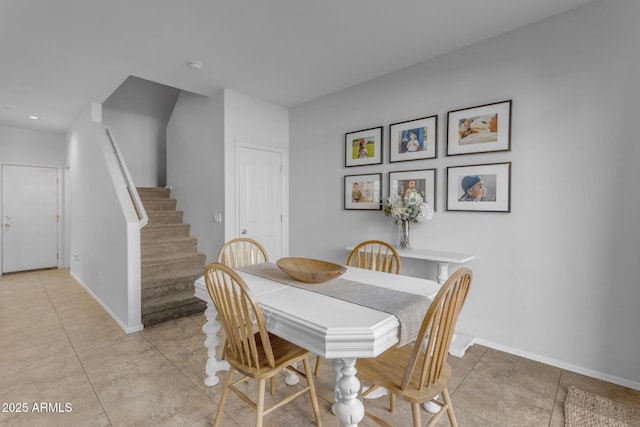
(443, 272)
(348, 408)
(211, 329)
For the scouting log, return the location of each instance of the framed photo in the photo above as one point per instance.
(413, 140)
(422, 181)
(482, 129)
(480, 188)
(363, 147)
(363, 192)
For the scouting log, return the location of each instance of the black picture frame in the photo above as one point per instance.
(425, 183)
(463, 190)
(363, 147)
(370, 189)
(415, 139)
(482, 129)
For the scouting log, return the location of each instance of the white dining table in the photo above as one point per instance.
(328, 326)
(461, 340)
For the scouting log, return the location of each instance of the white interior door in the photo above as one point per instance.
(29, 218)
(260, 188)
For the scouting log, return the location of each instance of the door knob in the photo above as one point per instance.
(244, 231)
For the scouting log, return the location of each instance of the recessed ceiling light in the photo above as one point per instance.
(196, 65)
(34, 117)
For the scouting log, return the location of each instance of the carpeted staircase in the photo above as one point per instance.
(170, 260)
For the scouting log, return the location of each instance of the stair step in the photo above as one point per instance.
(175, 246)
(155, 205)
(174, 277)
(161, 232)
(171, 262)
(165, 217)
(174, 287)
(161, 266)
(168, 301)
(162, 309)
(147, 193)
(165, 316)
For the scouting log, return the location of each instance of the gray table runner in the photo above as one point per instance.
(408, 308)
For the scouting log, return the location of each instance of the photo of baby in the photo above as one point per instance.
(412, 140)
(363, 147)
(479, 129)
(405, 187)
(362, 191)
(410, 184)
(477, 188)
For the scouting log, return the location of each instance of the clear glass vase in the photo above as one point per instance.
(404, 235)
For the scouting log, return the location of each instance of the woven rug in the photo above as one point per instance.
(582, 409)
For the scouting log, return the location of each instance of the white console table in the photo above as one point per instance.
(461, 341)
(444, 259)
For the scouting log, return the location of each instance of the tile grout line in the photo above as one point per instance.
(484, 353)
(141, 335)
(104, 411)
(215, 405)
(555, 397)
(177, 368)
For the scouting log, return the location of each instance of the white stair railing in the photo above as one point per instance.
(131, 188)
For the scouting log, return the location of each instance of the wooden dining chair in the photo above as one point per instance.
(242, 251)
(419, 372)
(375, 255)
(372, 255)
(249, 348)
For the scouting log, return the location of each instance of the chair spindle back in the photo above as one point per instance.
(427, 360)
(375, 255)
(240, 316)
(242, 251)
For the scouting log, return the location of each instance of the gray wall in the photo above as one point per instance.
(557, 278)
(105, 234)
(195, 166)
(32, 147)
(39, 148)
(137, 113)
(202, 138)
(251, 122)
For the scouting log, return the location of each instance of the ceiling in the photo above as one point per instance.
(56, 57)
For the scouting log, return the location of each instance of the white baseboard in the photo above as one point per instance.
(460, 343)
(125, 328)
(562, 365)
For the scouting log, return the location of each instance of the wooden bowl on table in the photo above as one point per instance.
(310, 270)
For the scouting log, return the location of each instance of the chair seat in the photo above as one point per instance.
(419, 372)
(284, 354)
(388, 369)
(250, 349)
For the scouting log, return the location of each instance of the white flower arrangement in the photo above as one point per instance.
(410, 208)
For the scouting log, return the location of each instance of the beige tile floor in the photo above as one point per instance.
(58, 346)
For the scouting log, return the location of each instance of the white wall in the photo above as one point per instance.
(105, 238)
(32, 147)
(252, 122)
(202, 136)
(557, 278)
(137, 113)
(195, 166)
(39, 148)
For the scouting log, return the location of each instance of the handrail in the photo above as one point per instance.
(131, 188)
